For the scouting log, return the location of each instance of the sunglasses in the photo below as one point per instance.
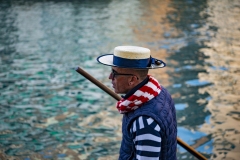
(115, 73)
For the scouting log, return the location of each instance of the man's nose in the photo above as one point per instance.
(110, 76)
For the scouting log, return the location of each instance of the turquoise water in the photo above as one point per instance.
(49, 111)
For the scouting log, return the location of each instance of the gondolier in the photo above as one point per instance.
(149, 124)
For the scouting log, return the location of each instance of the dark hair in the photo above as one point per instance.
(141, 73)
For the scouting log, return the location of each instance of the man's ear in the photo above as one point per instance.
(132, 80)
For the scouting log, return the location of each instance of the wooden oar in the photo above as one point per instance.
(117, 97)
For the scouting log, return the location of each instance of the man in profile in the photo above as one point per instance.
(149, 124)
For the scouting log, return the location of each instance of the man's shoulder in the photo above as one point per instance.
(144, 122)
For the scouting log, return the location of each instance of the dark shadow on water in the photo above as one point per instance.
(189, 56)
(189, 61)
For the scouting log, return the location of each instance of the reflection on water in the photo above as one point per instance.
(48, 111)
(224, 55)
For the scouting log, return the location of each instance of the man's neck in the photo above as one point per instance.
(134, 89)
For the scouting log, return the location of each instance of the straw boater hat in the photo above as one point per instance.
(131, 57)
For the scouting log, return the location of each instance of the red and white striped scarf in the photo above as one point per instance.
(142, 95)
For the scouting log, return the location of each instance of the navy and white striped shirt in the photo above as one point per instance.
(147, 138)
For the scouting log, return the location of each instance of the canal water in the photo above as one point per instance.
(49, 111)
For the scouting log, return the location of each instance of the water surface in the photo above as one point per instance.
(49, 111)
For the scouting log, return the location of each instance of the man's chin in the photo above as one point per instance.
(116, 91)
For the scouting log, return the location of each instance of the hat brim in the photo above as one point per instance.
(107, 59)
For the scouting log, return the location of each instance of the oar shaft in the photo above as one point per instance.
(117, 97)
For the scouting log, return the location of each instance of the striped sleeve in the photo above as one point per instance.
(146, 137)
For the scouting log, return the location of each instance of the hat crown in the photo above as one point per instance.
(132, 52)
